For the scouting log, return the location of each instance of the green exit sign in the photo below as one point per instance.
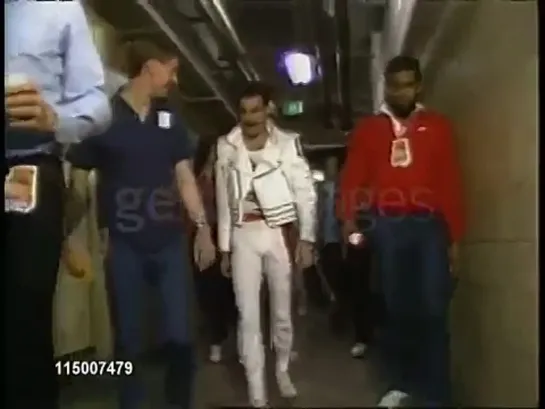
(292, 108)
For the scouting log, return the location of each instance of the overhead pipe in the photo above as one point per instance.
(342, 23)
(220, 18)
(377, 69)
(197, 62)
(326, 59)
(399, 15)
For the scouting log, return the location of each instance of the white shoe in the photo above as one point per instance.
(285, 385)
(358, 350)
(392, 399)
(259, 403)
(215, 354)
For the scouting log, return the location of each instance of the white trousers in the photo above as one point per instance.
(259, 250)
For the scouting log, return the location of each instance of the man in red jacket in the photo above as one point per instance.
(401, 188)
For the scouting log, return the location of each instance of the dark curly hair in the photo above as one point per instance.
(202, 152)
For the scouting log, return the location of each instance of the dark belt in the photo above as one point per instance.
(52, 148)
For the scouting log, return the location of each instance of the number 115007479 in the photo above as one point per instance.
(94, 368)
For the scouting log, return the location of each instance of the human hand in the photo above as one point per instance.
(27, 109)
(204, 250)
(77, 261)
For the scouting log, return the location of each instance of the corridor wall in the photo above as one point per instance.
(481, 70)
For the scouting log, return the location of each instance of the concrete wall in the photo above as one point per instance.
(482, 72)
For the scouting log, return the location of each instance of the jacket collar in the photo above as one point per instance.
(234, 137)
(399, 127)
(384, 109)
(270, 155)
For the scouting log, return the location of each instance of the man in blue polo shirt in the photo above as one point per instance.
(144, 161)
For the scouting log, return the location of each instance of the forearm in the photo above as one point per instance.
(73, 129)
(191, 198)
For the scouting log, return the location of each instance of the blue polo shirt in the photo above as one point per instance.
(136, 160)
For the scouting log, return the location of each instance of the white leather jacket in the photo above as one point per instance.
(282, 183)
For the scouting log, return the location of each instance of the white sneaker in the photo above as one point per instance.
(392, 399)
(358, 350)
(259, 402)
(285, 385)
(215, 354)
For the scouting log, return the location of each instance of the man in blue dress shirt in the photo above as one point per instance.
(54, 95)
(144, 160)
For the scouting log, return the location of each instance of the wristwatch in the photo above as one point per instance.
(201, 222)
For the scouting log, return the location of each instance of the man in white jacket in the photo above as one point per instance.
(264, 188)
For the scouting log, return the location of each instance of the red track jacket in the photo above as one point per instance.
(431, 183)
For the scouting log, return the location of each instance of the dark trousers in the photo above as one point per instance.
(33, 246)
(417, 287)
(334, 270)
(126, 268)
(363, 300)
(315, 293)
(217, 302)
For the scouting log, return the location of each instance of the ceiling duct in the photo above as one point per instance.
(342, 24)
(191, 55)
(333, 37)
(216, 12)
(326, 57)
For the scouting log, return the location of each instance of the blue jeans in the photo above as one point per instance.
(126, 269)
(417, 288)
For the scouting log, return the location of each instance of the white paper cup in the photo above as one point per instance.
(15, 80)
(355, 239)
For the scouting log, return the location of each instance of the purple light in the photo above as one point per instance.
(301, 68)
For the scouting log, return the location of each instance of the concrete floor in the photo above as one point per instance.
(323, 371)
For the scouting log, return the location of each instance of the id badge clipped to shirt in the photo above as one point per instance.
(164, 119)
(21, 189)
(400, 154)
